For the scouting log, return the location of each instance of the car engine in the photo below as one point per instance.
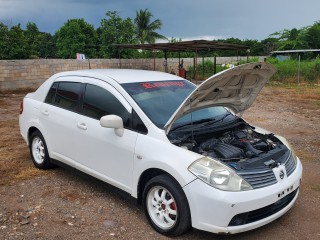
(240, 147)
(236, 145)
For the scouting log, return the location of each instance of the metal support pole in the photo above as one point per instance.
(120, 65)
(214, 64)
(299, 70)
(194, 68)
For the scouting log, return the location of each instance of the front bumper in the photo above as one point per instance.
(212, 210)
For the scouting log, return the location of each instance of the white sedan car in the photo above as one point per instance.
(180, 150)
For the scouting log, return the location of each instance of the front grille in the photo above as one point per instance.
(261, 213)
(290, 165)
(259, 179)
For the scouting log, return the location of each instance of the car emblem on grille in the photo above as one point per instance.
(281, 174)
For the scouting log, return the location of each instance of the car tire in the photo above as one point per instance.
(39, 152)
(166, 206)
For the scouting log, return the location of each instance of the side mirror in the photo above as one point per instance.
(113, 121)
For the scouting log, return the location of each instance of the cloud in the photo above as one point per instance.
(187, 19)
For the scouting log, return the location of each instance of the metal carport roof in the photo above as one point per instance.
(186, 46)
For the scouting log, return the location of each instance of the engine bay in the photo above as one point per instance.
(240, 147)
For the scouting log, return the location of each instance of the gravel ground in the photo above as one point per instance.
(64, 204)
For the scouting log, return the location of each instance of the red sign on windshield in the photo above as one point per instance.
(149, 85)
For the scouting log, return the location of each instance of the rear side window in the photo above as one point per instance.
(64, 95)
(99, 102)
(52, 93)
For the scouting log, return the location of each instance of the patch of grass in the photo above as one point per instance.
(298, 88)
(260, 119)
(304, 155)
(28, 173)
(18, 91)
(316, 187)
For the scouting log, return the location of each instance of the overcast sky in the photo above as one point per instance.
(186, 19)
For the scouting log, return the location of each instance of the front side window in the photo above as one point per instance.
(64, 95)
(99, 102)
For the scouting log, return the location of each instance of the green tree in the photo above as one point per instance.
(76, 36)
(4, 42)
(255, 47)
(269, 44)
(47, 45)
(289, 39)
(32, 36)
(115, 30)
(312, 36)
(232, 40)
(18, 48)
(145, 29)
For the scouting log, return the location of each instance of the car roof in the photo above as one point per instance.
(123, 75)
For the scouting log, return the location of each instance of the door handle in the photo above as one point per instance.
(45, 112)
(82, 126)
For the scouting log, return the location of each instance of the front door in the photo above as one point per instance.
(100, 151)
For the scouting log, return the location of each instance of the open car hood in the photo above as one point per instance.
(234, 88)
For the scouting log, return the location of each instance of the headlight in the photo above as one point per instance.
(218, 175)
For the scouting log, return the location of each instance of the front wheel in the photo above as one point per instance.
(166, 206)
(39, 151)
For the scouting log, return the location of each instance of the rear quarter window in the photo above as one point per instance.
(64, 95)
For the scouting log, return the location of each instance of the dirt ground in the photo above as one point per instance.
(63, 204)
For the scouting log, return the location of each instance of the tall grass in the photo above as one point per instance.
(287, 71)
(206, 69)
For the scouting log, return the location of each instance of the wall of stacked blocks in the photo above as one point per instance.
(30, 74)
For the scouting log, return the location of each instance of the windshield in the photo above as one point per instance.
(159, 100)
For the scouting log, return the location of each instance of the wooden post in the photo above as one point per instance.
(154, 60)
(195, 66)
(202, 67)
(214, 64)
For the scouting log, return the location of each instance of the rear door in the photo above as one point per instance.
(58, 116)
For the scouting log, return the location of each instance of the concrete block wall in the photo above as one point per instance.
(20, 74)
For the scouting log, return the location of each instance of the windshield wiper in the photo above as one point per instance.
(219, 120)
(206, 120)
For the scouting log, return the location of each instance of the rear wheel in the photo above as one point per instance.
(166, 206)
(39, 151)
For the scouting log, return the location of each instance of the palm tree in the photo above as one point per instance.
(145, 29)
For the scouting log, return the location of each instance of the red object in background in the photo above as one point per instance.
(182, 72)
